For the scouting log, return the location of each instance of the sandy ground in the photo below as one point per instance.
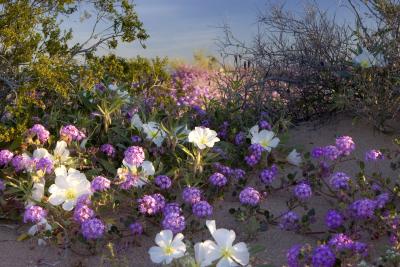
(275, 241)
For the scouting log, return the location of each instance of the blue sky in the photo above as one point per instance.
(177, 28)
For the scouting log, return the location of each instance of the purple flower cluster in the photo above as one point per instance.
(363, 208)
(381, 200)
(345, 144)
(202, 209)
(174, 222)
(218, 179)
(292, 256)
(267, 176)
(238, 174)
(108, 150)
(323, 257)
(41, 132)
(373, 155)
(225, 170)
(250, 196)
(302, 191)
(100, 183)
(223, 130)
(289, 221)
(20, 162)
(45, 164)
(341, 243)
(134, 155)
(340, 181)
(333, 219)
(5, 157)
(34, 214)
(264, 125)
(240, 138)
(172, 208)
(71, 133)
(191, 195)
(82, 211)
(151, 204)
(255, 154)
(136, 139)
(93, 228)
(136, 228)
(163, 181)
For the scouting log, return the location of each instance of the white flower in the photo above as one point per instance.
(168, 248)
(200, 253)
(68, 187)
(40, 153)
(294, 158)
(136, 122)
(203, 137)
(61, 153)
(43, 225)
(223, 248)
(145, 170)
(254, 130)
(38, 190)
(264, 138)
(113, 86)
(154, 132)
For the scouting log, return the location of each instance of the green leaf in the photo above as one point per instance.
(107, 166)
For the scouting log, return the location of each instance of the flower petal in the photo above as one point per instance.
(156, 254)
(241, 253)
(164, 238)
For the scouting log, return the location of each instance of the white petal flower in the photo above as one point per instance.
(38, 190)
(201, 251)
(61, 153)
(168, 248)
(203, 137)
(154, 133)
(43, 225)
(40, 153)
(294, 158)
(136, 122)
(254, 130)
(265, 138)
(223, 249)
(68, 187)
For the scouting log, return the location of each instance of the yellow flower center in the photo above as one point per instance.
(168, 250)
(226, 253)
(70, 194)
(203, 140)
(153, 134)
(264, 143)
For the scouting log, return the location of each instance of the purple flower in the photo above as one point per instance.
(5, 157)
(373, 155)
(340, 181)
(174, 222)
(134, 155)
(292, 256)
(267, 176)
(163, 181)
(363, 208)
(160, 201)
(345, 145)
(34, 214)
(40, 132)
(250, 196)
(240, 138)
(202, 209)
(331, 152)
(264, 125)
(93, 228)
(290, 221)
(317, 152)
(238, 174)
(218, 179)
(148, 205)
(255, 154)
(360, 248)
(84, 200)
(302, 191)
(71, 133)
(225, 170)
(100, 183)
(136, 228)
(191, 195)
(172, 208)
(129, 182)
(136, 139)
(108, 150)
(323, 257)
(381, 200)
(333, 219)
(83, 213)
(45, 165)
(20, 162)
(341, 242)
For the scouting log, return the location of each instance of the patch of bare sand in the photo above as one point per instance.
(275, 241)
